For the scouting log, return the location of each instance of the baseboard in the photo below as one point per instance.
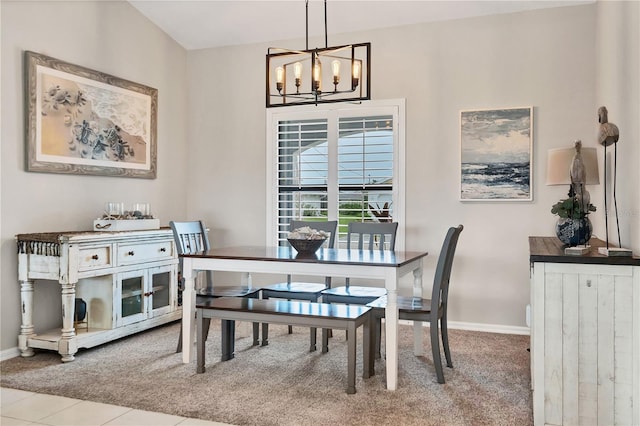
(9, 353)
(488, 328)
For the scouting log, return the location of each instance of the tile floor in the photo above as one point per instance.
(20, 408)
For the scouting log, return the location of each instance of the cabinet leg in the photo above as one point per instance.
(67, 347)
(26, 310)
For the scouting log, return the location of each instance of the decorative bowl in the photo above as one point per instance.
(306, 246)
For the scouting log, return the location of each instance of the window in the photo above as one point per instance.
(328, 163)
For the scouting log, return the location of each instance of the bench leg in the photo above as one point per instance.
(228, 339)
(325, 340)
(256, 334)
(313, 334)
(265, 334)
(351, 360)
(200, 343)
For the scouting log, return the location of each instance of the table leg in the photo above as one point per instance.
(391, 328)
(188, 311)
(368, 345)
(200, 342)
(417, 325)
(351, 358)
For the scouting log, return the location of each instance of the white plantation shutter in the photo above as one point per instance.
(303, 167)
(335, 163)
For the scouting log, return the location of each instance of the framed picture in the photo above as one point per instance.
(496, 154)
(85, 122)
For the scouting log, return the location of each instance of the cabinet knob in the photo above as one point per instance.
(94, 257)
(162, 249)
(588, 283)
(131, 253)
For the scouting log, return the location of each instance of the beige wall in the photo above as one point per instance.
(114, 38)
(543, 58)
(547, 59)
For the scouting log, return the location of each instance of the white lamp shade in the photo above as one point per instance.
(559, 163)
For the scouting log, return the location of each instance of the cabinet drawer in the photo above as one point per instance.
(144, 252)
(94, 258)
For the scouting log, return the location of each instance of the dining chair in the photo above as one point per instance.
(432, 310)
(191, 238)
(296, 290)
(368, 236)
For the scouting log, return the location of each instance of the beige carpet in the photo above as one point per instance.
(284, 384)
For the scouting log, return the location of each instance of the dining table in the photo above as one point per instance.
(366, 265)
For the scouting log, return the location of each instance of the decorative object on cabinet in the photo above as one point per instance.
(298, 76)
(127, 279)
(115, 218)
(496, 154)
(585, 342)
(576, 167)
(608, 134)
(82, 121)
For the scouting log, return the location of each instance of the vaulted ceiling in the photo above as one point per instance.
(214, 23)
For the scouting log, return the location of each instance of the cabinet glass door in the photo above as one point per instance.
(161, 299)
(131, 287)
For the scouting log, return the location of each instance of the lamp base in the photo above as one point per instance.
(577, 250)
(615, 251)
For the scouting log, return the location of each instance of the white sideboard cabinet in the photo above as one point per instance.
(585, 336)
(128, 282)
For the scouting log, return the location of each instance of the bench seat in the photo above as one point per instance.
(306, 314)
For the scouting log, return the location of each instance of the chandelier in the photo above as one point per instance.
(320, 75)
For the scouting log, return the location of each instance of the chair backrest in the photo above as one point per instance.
(440, 291)
(329, 226)
(375, 235)
(190, 237)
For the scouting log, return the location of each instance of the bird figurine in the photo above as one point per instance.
(578, 175)
(608, 133)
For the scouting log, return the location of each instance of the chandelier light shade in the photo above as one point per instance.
(320, 75)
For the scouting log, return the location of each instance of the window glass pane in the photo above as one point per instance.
(362, 206)
(365, 151)
(302, 153)
(299, 205)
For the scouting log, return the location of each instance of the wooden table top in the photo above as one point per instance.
(551, 249)
(335, 256)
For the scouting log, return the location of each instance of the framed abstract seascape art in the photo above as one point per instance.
(85, 122)
(496, 154)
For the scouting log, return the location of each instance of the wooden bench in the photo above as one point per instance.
(305, 314)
